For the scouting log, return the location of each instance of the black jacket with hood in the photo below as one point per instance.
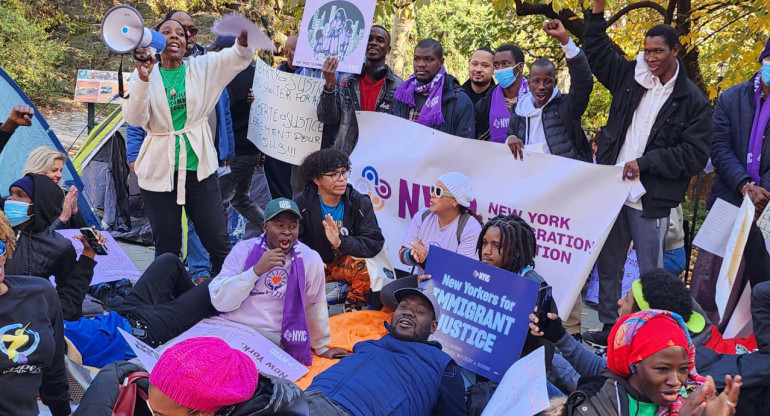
(364, 238)
(456, 106)
(43, 252)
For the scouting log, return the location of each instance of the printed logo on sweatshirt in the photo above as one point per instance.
(18, 342)
(272, 284)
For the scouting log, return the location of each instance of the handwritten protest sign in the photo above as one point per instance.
(283, 122)
(484, 311)
(523, 391)
(630, 273)
(571, 205)
(334, 28)
(114, 266)
(268, 357)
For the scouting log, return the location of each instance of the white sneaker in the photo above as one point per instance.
(337, 294)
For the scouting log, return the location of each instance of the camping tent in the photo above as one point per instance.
(25, 139)
(113, 193)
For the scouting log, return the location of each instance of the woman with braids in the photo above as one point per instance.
(339, 223)
(445, 223)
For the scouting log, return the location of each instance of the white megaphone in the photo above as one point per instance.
(123, 31)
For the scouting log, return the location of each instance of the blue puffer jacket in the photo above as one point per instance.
(733, 119)
(386, 377)
(225, 150)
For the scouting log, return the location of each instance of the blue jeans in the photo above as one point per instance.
(673, 261)
(198, 262)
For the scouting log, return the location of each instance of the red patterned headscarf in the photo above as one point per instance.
(642, 334)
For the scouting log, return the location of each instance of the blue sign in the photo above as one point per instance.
(484, 311)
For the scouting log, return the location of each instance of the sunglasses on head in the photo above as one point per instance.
(439, 192)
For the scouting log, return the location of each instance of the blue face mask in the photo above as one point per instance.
(16, 212)
(766, 72)
(506, 77)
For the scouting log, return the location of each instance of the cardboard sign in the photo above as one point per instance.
(114, 266)
(98, 86)
(334, 28)
(484, 311)
(523, 391)
(283, 122)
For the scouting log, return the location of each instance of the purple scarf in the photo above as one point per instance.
(295, 336)
(761, 118)
(430, 115)
(499, 115)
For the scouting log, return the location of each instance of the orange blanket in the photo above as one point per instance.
(347, 329)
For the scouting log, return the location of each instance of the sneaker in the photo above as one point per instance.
(596, 339)
(123, 287)
(106, 294)
(578, 337)
(337, 294)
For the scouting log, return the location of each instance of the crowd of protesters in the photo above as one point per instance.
(318, 241)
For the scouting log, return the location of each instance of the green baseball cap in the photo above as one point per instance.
(280, 205)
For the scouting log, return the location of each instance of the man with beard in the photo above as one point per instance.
(432, 97)
(401, 374)
(480, 70)
(371, 90)
(262, 283)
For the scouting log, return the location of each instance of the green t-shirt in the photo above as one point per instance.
(174, 79)
(636, 408)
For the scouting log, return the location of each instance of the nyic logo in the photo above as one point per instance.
(371, 184)
(481, 275)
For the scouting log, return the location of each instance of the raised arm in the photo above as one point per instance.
(606, 64)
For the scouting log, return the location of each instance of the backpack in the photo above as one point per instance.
(460, 223)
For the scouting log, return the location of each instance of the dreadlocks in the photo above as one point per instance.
(517, 242)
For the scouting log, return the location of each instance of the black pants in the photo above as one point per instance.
(757, 258)
(278, 175)
(203, 205)
(236, 185)
(165, 302)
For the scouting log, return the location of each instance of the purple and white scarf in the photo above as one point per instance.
(295, 336)
(430, 114)
(761, 118)
(499, 115)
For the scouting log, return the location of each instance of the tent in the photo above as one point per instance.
(112, 192)
(25, 139)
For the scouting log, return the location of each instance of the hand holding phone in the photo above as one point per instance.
(93, 240)
(544, 305)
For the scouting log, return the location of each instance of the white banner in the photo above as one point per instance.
(570, 204)
(283, 122)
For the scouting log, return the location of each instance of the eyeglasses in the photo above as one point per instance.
(438, 192)
(191, 31)
(336, 176)
(2, 247)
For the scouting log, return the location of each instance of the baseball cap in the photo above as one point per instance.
(421, 292)
(280, 205)
(221, 42)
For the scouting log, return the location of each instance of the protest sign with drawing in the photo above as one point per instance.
(268, 357)
(571, 205)
(114, 266)
(523, 391)
(334, 28)
(484, 311)
(283, 122)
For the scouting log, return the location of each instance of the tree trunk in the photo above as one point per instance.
(690, 58)
(403, 21)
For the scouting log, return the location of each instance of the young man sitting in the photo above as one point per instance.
(275, 284)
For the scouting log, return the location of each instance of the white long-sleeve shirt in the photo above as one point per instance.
(257, 301)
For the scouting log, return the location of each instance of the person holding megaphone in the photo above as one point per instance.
(177, 162)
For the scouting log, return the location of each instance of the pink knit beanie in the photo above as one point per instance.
(205, 374)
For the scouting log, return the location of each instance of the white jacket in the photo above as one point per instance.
(147, 106)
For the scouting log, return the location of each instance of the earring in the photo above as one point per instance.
(633, 368)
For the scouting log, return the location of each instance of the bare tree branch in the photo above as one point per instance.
(638, 5)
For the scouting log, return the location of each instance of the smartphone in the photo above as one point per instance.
(544, 302)
(90, 236)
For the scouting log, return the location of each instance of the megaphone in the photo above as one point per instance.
(123, 31)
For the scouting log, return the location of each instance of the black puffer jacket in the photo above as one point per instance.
(680, 138)
(103, 392)
(364, 238)
(274, 396)
(562, 116)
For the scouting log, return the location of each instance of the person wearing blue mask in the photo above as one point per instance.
(493, 112)
(544, 117)
(742, 160)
